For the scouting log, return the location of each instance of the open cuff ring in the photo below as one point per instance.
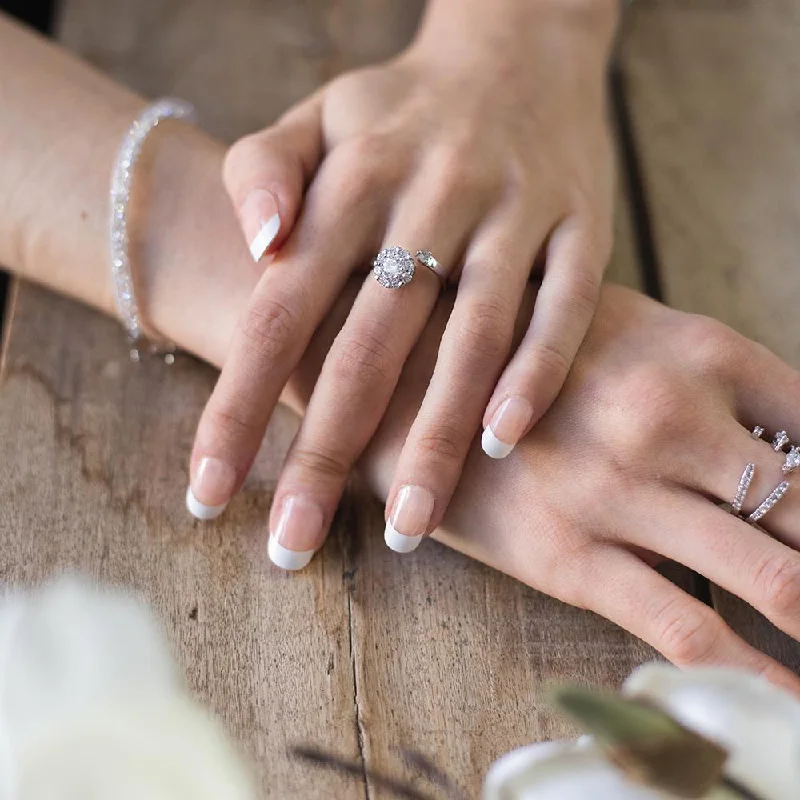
(769, 502)
(394, 267)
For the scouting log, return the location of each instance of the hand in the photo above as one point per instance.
(488, 162)
(649, 434)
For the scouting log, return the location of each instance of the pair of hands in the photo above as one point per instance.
(494, 162)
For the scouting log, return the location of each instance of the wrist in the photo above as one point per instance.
(191, 264)
(503, 30)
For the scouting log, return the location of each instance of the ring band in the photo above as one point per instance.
(770, 502)
(741, 491)
(766, 505)
(427, 259)
(394, 267)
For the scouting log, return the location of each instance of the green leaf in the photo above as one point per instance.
(646, 743)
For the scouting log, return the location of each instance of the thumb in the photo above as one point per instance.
(265, 174)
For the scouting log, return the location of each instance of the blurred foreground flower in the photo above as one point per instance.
(91, 706)
(705, 733)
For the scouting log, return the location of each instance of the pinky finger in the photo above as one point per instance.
(566, 303)
(686, 631)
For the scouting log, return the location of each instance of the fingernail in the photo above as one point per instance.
(210, 489)
(410, 517)
(294, 540)
(260, 221)
(507, 426)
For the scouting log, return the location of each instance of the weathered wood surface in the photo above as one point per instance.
(363, 653)
(713, 90)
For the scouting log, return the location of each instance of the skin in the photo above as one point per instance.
(491, 163)
(649, 433)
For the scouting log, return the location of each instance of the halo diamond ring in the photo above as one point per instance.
(394, 267)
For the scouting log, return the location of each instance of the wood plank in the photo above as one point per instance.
(96, 455)
(713, 91)
(363, 653)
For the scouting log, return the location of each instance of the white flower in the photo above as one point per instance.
(559, 771)
(757, 723)
(754, 720)
(91, 706)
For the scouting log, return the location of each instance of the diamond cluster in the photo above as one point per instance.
(394, 267)
(121, 182)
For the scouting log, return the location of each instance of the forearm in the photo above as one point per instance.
(61, 124)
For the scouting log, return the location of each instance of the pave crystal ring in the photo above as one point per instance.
(394, 267)
(771, 500)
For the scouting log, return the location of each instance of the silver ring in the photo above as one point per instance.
(758, 432)
(394, 267)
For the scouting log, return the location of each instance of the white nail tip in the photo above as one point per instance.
(266, 236)
(201, 510)
(493, 447)
(288, 559)
(399, 542)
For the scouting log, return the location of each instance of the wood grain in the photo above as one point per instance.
(713, 92)
(362, 654)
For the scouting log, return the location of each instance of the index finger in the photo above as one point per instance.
(288, 303)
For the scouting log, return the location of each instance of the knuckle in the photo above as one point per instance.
(487, 327)
(551, 356)
(583, 294)
(651, 409)
(364, 359)
(230, 424)
(270, 327)
(778, 579)
(458, 172)
(320, 461)
(364, 165)
(443, 443)
(710, 344)
(687, 634)
(243, 154)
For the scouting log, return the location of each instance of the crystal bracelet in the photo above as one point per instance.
(121, 182)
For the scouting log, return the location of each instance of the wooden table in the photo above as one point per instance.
(365, 653)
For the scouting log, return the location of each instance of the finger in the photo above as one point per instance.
(684, 630)
(284, 309)
(364, 364)
(732, 554)
(472, 353)
(576, 258)
(265, 175)
(766, 389)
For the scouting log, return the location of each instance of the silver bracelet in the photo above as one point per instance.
(119, 239)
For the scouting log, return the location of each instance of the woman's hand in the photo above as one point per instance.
(485, 143)
(650, 433)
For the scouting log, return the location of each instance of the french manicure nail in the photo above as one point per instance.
(507, 426)
(260, 221)
(294, 540)
(210, 489)
(411, 514)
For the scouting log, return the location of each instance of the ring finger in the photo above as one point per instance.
(729, 552)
